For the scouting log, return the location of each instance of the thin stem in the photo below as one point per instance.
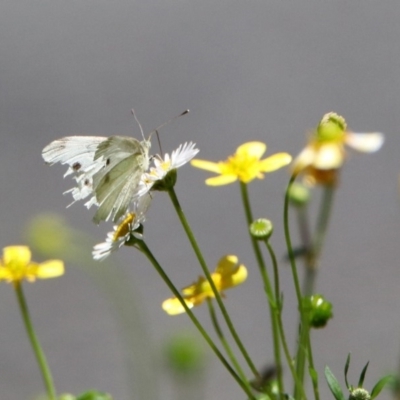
(273, 304)
(276, 272)
(143, 247)
(289, 359)
(304, 326)
(315, 246)
(311, 363)
(289, 246)
(37, 349)
(223, 340)
(206, 271)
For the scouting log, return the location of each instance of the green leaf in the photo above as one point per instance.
(380, 385)
(333, 384)
(346, 369)
(362, 376)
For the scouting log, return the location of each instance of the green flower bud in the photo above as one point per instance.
(359, 394)
(66, 396)
(168, 182)
(261, 229)
(94, 395)
(320, 310)
(299, 195)
(184, 354)
(331, 128)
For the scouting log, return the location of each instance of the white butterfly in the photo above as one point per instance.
(110, 169)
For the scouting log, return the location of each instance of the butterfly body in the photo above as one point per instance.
(110, 169)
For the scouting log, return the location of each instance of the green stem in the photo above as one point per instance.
(272, 300)
(311, 363)
(276, 272)
(289, 359)
(290, 248)
(206, 271)
(315, 246)
(143, 247)
(40, 357)
(223, 340)
(304, 326)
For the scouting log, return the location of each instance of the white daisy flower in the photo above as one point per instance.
(183, 154)
(124, 230)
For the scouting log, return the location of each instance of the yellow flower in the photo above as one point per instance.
(325, 153)
(16, 265)
(245, 164)
(229, 273)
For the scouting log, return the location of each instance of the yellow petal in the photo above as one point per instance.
(5, 274)
(207, 165)
(252, 149)
(221, 180)
(173, 306)
(239, 276)
(275, 162)
(50, 269)
(329, 156)
(234, 279)
(365, 142)
(227, 264)
(19, 255)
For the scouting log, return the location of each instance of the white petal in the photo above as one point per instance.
(304, 159)
(329, 156)
(365, 142)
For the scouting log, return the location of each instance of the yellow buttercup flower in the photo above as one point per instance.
(16, 265)
(325, 152)
(229, 273)
(245, 164)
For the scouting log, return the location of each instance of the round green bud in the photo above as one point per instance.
(299, 195)
(94, 395)
(320, 310)
(65, 396)
(261, 229)
(332, 127)
(184, 354)
(359, 394)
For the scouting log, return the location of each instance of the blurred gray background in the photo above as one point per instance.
(247, 70)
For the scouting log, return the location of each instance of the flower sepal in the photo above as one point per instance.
(167, 183)
(135, 237)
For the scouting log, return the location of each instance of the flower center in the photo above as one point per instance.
(123, 228)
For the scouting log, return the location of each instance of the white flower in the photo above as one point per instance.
(124, 230)
(182, 155)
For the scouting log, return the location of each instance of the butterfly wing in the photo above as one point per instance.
(78, 153)
(116, 185)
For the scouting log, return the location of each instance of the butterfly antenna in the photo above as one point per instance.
(170, 120)
(159, 143)
(137, 121)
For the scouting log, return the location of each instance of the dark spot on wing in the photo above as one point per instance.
(76, 166)
(87, 182)
(108, 161)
